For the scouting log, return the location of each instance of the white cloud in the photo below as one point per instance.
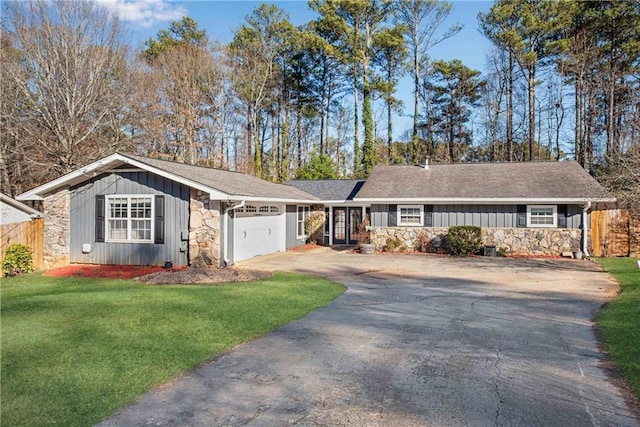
(145, 13)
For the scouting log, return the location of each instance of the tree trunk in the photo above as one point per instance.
(531, 86)
(356, 144)
(579, 139)
(416, 95)
(510, 108)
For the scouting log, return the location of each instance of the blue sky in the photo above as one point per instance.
(221, 18)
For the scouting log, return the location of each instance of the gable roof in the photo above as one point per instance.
(20, 206)
(329, 190)
(528, 182)
(220, 184)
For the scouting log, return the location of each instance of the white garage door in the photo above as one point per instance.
(258, 230)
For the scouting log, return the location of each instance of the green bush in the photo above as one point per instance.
(17, 260)
(464, 239)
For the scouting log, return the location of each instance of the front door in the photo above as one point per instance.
(355, 218)
(339, 226)
(345, 225)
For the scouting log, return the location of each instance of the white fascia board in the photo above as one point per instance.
(348, 203)
(237, 198)
(484, 201)
(99, 166)
(36, 193)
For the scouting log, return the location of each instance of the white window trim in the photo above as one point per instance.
(306, 209)
(555, 216)
(410, 224)
(107, 218)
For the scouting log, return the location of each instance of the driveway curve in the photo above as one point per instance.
(415, 341)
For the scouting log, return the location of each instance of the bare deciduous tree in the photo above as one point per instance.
(71, 77)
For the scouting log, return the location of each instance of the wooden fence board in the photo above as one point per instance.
(615, 232)
(30, 233)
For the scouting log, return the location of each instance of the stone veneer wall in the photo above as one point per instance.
(517, 241)
(204, 230)
(57, 213)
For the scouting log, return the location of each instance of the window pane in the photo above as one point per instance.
(141, 229)
(118, 229)
(410, 215)
(542, 216)
(117, 208)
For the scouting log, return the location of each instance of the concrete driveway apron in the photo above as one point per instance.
(415, 341)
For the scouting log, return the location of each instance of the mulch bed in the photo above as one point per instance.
(104, 271)
(158, 275)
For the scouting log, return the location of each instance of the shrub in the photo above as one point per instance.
(394, 244)
(314, 227)
(430, 243)
(17, 260)
(422, 242)
(464, 239)
(503, 251)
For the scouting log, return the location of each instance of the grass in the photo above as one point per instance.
(619, 320)
(74, 350)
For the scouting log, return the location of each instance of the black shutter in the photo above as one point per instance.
(393, 215)
(428, 215)
(100, 222)
(562, 216)
(521, 217)
(159, 220)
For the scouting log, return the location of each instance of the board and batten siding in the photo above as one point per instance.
(291, 227)
(500, 216)
(83, 220)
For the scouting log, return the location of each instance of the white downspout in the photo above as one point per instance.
(225, 229)
(585, 228)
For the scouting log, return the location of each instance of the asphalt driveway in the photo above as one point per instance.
(415, 341)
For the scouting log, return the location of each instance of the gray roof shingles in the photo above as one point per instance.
(228, 182)
(329, 189)
(530, 180)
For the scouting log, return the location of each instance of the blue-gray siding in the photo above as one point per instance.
(83, 220)
(478, 215)
(292, 227)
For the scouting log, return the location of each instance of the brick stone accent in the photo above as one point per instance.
(56, 210)
(204, 230)
(516, 241)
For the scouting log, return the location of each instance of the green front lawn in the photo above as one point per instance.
(74, 350)
(619, 320)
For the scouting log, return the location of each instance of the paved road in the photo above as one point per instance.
(415, 341)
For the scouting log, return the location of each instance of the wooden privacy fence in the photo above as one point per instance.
(615, 232)
(30, 233)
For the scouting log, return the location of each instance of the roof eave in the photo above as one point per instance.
(239, 197)
(93, 169)
(33, 213)
(486, 200)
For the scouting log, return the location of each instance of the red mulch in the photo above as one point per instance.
(104, 271)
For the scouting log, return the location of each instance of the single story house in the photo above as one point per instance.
(127, 209)
(532, 208)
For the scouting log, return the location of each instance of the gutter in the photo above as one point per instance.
(225, 230)
(585, 228)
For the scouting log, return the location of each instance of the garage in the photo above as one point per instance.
(258, 230)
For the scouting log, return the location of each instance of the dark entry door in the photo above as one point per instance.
(355, 218)
(339, 226)
(345, 225)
